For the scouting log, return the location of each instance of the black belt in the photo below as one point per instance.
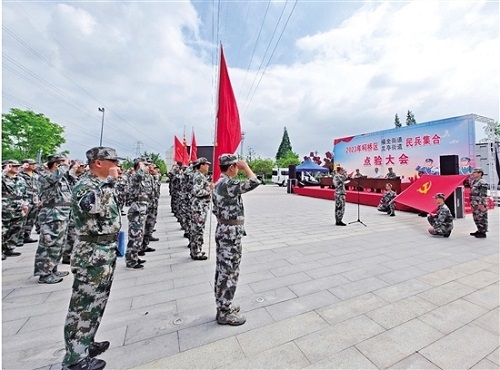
(230, 222)
(61, 204)
(99, 238)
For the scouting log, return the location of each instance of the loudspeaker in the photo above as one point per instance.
(455, 203)
(449, 165)
(292, 172)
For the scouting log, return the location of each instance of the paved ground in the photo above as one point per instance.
(388, 295)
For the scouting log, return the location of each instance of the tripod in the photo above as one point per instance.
(358, 188)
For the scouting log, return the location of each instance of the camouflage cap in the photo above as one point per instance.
(478, 169)
(12, 162)
(55, 158)
(142, 160)
(227, 159)
(102, 152)
(29, 161)
(202, 160)
(440, 195)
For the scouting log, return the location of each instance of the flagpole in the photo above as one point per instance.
(215, 161)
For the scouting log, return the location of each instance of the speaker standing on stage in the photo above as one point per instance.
(478, 203)
(338, 182)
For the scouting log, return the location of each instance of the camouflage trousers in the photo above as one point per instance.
(12, 229)
(199, 211)
(439, 229)
(51, 243)
(70, 239)
(30, 220)
(339, 207)
(480, 218)
(384, 207)
(91, 288)
(227, 268)
(137, 214)
(149, 225)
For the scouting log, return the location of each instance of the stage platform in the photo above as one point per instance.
(367, 198)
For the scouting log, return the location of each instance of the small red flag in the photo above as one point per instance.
(194, 149)
(420, 194)
(178, 151)
(185, 162)
(228, 134)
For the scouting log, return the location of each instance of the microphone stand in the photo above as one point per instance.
(358, 187)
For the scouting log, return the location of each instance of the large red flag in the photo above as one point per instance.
(228, 133)
(420, 194)
(178, 151)
(194, 149)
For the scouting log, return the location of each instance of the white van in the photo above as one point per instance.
(280, 176)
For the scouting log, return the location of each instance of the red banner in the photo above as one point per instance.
(228, 135)
(194, 149)
(180, 152)
(420, 194)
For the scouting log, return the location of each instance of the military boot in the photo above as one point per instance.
(87, 363)
(232, 318)
(96, 348)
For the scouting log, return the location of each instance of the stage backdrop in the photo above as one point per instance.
(409, 149)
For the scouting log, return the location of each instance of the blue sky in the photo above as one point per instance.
(340, 68)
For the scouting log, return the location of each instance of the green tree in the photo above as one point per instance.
(288, 159)
(496, 131)
(157, 160)
(285, 146)
(397, 122)
(264, 166)
(410, 119)
(26, 133)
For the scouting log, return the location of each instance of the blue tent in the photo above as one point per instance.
(310, 166)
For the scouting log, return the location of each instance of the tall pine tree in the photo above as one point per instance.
(397, 122)
(285, 146)
(410, 119)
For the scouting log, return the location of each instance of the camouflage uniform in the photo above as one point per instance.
(151, 190)
(442, 222)
(122, 190)
(479, 196)
(199, 208)
(176, 194)
(14, 197)
(137, 214)
(386, 204)
(338, 182)
(54, 218)
(71, 237)
(185, 201)
(33, 191)
(97, 221)
(228, 208)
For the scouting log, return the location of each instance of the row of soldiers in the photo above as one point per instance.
(35, 194)
(190, 191)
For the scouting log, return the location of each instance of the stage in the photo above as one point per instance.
(367, 198)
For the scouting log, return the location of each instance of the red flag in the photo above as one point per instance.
(178, 151)
(420, 194)
(185, 154)
(194, 149)
(228, 133)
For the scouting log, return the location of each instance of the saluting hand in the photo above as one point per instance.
(113, 172)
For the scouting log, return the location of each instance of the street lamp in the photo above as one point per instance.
(102, 124)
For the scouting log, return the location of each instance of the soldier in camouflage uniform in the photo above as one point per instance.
(441, 222)
(228, 208)
(479, 202)
(200, 202)
(97, 221)
(31, 178)
(15, 201)
(338, 183)
(137, 214)
(76, 169)
(176, 193)
(151, 180)
(185, 203)
(54, 218)
(386, 203)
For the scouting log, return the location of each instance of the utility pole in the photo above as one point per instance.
(138, 149)
(242, 143)
(102, 124)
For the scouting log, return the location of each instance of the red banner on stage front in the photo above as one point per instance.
(420, 194)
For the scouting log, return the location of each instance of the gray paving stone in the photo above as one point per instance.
(10, 328)
(285, 356)
(398, 276)
(326, 342)
(306, 287)
(453, 315)
(299, 305)
(330, 270)
(358, 288)
(297, 267)
(495, 357)
(278, 282)
(487, 297)
(485, 364)
(402, 290)
(366, 272)
(462, 348)
(281, 332)
(400, 312)
(435, 265)
(349, 358)
(441, 277)
(479, 279)
(392, 346)
(489, 321)
(415, 361)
